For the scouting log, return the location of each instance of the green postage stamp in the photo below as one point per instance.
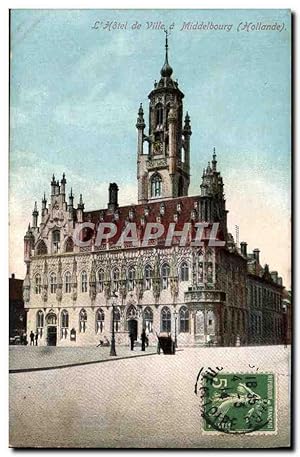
(239, 403)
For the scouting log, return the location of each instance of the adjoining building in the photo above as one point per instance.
(198, 294)
(17, 313)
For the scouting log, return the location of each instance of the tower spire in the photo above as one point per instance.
(166, 70)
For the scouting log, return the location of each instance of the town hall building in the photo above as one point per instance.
(201, 295)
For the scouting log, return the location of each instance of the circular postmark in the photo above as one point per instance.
(236, 403)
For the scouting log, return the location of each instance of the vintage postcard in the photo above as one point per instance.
(150, 229)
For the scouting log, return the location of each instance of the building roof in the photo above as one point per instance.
(179, 210)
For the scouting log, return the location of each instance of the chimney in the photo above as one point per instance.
(244, 248)
(12, 276)
(113, 197)
(274, 276)
(256, 254)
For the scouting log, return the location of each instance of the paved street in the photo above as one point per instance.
(135, 402)
(44, 357)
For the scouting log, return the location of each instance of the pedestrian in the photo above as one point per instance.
(143, 338)
(36, 338)
(31, 338)
(131, 337)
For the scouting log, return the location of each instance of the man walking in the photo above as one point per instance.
(143, 338)
(36, 338)
(31, 338)
(131, 336)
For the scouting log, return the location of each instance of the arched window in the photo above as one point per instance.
(159, 113)
(184, 272)
(55, 241)
(117, 318)
(40, 319)
(84, 281)
(64, 324)
(156, 183)
(69, 245)
(115, 278)
(51, 319)
(68, 280)
(148, 277)
(101, 280)
(148, 320)
(165, 323)
(38, 284)
(180, 186)
(53, 283)
(131, 278)
(99, 320)
(41, 248)
(82, 321)
(165, 273)
(209, 272)
(184, 320)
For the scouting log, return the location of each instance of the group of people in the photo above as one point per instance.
(144, 340)
(33, 338)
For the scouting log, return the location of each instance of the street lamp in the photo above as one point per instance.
(175, 316)
(113, 342)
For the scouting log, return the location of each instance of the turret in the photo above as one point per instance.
(35, 214)
(80, 208)
(63, 183)
(28, 244)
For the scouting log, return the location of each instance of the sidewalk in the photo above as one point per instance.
(32, 358)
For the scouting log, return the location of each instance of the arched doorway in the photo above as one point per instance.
(132, 323)
(51, 329)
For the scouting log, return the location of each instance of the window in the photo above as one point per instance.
(156, 185)
(117, 318)
(200, 272)
(69, 246)
(53, 283)
(148, 276)
(38, 284)
(165, 320)
(68, 282)
(99, 320)
(209, 272)
(82, 321)
(55, 240)
(159, 115)
(165, 272)
(101, 280)
(148, 320)
(131, 278)
(184, 320)
(84, 281)
(40, 323)
(51, 319)
(64, 324)
(41, 248)
(115, 277)
(184, 272)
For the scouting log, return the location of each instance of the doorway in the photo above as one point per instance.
(51, 335)
(133, 328)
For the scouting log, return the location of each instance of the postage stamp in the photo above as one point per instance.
(239, 403)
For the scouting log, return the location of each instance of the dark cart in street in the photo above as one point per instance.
(165, 343)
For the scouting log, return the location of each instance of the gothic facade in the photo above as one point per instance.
(197, 294)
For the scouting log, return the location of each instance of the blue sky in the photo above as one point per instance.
(75, 93)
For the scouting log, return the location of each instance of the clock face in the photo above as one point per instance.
(157, 147)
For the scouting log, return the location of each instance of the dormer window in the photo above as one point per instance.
(143, 221)
(101, 216)
(131, 214)
(176, 217)
(162, 209)
(179, 207)
(116, 216)
(146, 211)
(193, 214)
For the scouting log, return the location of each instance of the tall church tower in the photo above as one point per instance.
(163, 171)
